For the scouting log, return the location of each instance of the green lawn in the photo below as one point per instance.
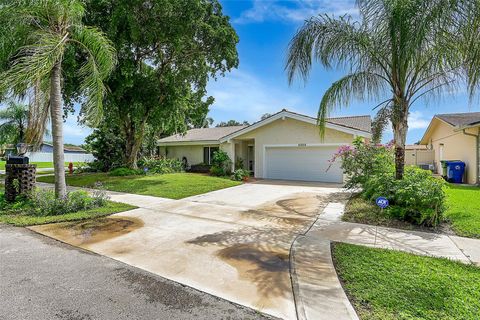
(39, 164)
(464, 210)
(385, 284)
(173, 186)
(28, 220)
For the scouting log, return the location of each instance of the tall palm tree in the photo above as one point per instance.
(397, 52)
(36, 36)
(13, 123)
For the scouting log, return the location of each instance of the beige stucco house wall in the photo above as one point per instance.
(451, 143)
(193, 153)
(287, 131)
(286, 145)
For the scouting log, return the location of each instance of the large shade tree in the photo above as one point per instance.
(37, 36)
(168, 50)
(397, 52)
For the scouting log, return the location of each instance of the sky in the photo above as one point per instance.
(260, 86)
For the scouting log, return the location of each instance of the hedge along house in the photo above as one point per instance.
(456, 136)
(285, 146)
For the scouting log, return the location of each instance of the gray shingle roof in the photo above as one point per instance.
(460, 119)
(363, 123)
(202, 134)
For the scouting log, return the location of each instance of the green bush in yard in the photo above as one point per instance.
(221, 164)
(362, 161)
(122, 172)
(161, 165)
(418, 197)
(44, 203)
(240, 174)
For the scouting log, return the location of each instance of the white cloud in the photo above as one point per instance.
(416, 120)
(73, 132)
(243, 96)
(294, 10)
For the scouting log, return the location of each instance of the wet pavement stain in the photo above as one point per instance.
(261, 255)
(85, 233)
(267, 267)
(293, 212)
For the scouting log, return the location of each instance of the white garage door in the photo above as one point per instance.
(302, 163)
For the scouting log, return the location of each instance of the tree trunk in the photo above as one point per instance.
(400, 128)
(133, 142)
(56, 113)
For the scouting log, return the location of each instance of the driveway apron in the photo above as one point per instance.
(233, 243)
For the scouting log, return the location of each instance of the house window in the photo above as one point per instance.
(208, 154)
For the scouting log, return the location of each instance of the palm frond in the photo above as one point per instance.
(34, 61)
(101, 60)
(362, 86)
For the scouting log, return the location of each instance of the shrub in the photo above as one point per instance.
(217, 171)
(161, 165)
(240, 174)
(221, 164)
(121, 172)
(418, 198)
(363, 160)
(43, 202)
(87, 167)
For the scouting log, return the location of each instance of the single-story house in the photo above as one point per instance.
(286, 145)
(455, 136)
(67, 148)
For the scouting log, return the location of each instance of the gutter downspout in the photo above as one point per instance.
(477, 136)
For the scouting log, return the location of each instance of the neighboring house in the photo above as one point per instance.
(455, 136)
(286, 145)
(420, 155)
(48, 148)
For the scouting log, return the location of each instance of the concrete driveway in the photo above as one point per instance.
(233, 243)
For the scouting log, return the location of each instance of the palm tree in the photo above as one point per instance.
(398, 51)
(13, 123)
(36, 37)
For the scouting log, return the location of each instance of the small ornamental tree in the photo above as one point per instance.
(363, 160)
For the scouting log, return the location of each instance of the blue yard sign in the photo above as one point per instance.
(382, 202)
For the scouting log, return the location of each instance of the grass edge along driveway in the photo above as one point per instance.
(172, 186)
(385, 284)
(22, 220)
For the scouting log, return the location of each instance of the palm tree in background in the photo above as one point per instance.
(13, 123)
(396, 53)
(35, 38)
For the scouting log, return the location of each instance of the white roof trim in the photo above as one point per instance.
(299, 117)
(189, 143)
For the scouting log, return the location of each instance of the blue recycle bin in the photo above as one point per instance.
(455, 170)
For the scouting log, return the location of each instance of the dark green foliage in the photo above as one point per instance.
(121, 172)
(418, 197)
(240, 174)
(221, 164)
(168, 50)
(232, 123)
(161, 166)
(44, 203)
(108, 147)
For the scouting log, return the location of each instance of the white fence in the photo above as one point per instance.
(69, 157)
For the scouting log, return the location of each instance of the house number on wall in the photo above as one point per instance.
(302, 144)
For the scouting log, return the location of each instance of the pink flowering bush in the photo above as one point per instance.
(363, 160)
(418, 198)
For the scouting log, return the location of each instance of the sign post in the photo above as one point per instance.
(382, 202)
